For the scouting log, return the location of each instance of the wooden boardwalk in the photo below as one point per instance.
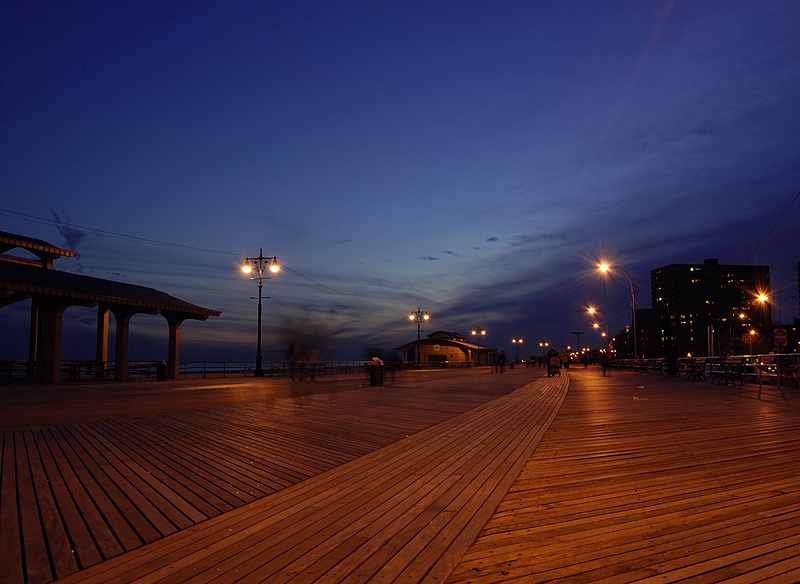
(91, 473)
(644, 479)
(475, 478)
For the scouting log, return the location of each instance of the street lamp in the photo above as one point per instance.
(594, 311)
(477, 333)
(419, 316)
(544, 347)
(605, 268)
(750, 336)
(260, 263)
(517, 341)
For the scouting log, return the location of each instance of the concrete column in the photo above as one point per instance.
(33, 338)
(122, 316)
(101, 348)
(174, 349)
(51, 318)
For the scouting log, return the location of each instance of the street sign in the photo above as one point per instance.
(780, 337)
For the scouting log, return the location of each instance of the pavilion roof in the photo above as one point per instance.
(32, 280)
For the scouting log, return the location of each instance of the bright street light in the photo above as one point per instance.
(478, 332)
(419, 316)
(605, 268)
(517, 341)
(260, 263)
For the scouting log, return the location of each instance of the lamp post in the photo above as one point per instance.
(750, 336)
(477, 333)
(260, 263)
(517, 341)
(605, 268)
(419, 316)
(544, 347)
(594, 311)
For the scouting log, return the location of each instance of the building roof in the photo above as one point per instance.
(446, 338)
(32, 280)
(46, 252)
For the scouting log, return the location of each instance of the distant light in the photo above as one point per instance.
(604, 267)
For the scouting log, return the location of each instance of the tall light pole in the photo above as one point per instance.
(419, 316)
(260, 263)
(517, 341)
(578, 338)
(544, 347)
(605, 268)
(478, 332)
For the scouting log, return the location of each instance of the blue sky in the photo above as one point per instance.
(473, 159)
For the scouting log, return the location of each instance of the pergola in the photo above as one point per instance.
(51, 292)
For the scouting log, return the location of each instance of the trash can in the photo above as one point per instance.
(161, 371)
(376, 374)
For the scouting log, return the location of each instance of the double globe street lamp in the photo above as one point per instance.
(261, 264)
(419, 316)
(478, 332)
(517, 341)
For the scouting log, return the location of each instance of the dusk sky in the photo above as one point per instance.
(472, 159)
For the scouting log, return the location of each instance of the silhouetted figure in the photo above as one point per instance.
(301, 357)
(502, 361)
(290, 357)
(553, 363)
(313, 361)
(672, 360)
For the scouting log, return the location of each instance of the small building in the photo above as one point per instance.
(446, 349)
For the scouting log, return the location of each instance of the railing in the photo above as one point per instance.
(85, 369)
(271, 368)
(770, 369)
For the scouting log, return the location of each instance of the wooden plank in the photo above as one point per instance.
(11, 561)
(86, 512)
(37, 562)
(176, 509)
(85, 549)
(61, 556)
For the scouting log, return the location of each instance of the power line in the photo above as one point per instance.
(772, 228)
(59, 223)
